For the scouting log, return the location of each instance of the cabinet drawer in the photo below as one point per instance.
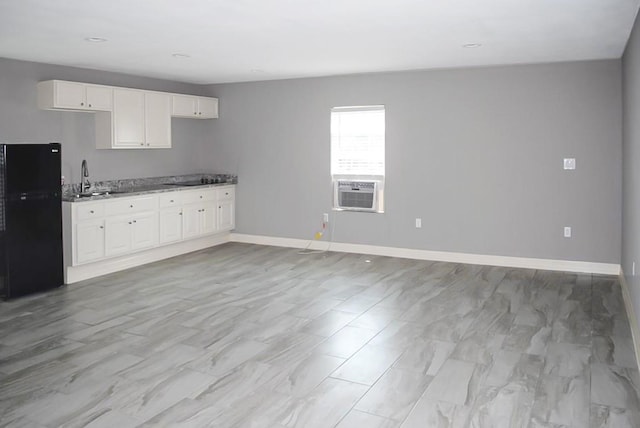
(131, 205)
(172, 199)
(226, 193)
(86, 211)
(193, 196)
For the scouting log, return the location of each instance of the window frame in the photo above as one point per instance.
(379, 179)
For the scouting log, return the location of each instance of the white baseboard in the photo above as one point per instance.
(103, 267)
(631, 314)
(441, 256)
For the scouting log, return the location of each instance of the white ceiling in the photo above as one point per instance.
(246, 40)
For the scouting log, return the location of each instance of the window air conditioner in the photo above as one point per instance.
(356, 195)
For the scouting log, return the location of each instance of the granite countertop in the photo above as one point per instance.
(141, 186)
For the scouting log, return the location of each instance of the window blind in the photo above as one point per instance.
(357, 140)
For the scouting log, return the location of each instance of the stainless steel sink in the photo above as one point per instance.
(101, 193)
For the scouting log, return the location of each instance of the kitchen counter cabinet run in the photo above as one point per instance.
(148, 227)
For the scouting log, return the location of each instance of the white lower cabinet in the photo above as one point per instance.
(170, 225)
(208, 219)
(226, 215)
(144, 233)
(117, 235)
(199, 219)
(89, 240)
(132, 232)
(226, 197)
(191, 221)
(119, 226)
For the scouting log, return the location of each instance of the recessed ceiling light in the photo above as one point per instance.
(95, 39)
(471, 45)
(180, 55)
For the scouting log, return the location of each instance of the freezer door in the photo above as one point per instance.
(31, 168)
(33, 245)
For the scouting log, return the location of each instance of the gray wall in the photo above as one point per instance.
(631, 164)
(476, 153)
(21, 121)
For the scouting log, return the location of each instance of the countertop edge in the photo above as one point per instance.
(170, 188)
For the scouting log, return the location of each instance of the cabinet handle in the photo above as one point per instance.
(200, 196)
(203, 210)
(130, 206)
(90, 105)
(171, 201)
(81, 104)
(142, 144)
(101, 227)
(200, 112)
(180, 213)
(195, 113)
(129, 222)
(134, 221)
(226, 193)
(91, 211)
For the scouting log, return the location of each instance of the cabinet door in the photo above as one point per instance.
(157, 119)
(170, 225)
(226, 215)
(70, 95)
(184, 106)
(89, 240)
(118, 235)
(99, 97)
(207, 108)
(191, 220)
(208, 218)
(128, 118)
(144, 231)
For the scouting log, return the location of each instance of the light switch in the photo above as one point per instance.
(567, 232)
(569, 163)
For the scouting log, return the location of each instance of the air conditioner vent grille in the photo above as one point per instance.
(356, 199)
(356, 195)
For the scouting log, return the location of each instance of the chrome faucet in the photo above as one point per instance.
(84, 177)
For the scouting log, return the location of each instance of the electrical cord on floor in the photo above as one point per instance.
(306, 249)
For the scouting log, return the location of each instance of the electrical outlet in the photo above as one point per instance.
(418, 223)
(567, 231)
(569, 163)
(325, 217)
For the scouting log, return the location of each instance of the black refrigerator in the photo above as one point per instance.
(30, 219)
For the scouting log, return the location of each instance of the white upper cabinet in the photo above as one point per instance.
(157, 119)
(184, 106)
(207, 108)
(58, 94)
(140, 120)
(126, 118)
(195, 107)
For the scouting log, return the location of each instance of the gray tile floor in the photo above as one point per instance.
(250, 336)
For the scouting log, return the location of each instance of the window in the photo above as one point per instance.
(357, 141)
(357, 157)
